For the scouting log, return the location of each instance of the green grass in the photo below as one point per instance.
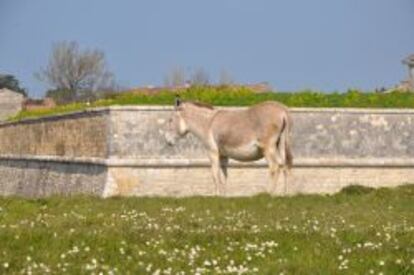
(357, 231)
(228, 96)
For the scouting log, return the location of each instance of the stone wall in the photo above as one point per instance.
(83, 134)
(42, 178)
(246, 181)
(329, 134)
(123, 152)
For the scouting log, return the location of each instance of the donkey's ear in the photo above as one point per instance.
(177, 101)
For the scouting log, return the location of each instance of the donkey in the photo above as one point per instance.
(262, 130)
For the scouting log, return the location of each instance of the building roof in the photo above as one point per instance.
(409, 60)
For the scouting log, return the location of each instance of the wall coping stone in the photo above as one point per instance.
(294, 109)
(106, 110)
(55, 117)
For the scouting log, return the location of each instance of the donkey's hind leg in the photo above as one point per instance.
(274, 170)
(281, 160)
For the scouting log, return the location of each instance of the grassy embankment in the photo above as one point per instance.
(225, 96)
(358, 231)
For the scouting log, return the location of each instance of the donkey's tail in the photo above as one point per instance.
(284, 144)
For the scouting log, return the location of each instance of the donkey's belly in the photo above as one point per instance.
(247, 152)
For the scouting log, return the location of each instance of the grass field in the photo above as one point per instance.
(358, 231)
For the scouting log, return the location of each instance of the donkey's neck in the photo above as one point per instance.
(198, 121)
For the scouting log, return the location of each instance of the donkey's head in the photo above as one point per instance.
(176, 125)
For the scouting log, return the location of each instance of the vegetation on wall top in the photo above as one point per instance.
(230, 96)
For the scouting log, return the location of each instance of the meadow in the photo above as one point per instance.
(357, 231)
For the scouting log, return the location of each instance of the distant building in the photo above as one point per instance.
(261, 87)
(406, 85)
(10, 103)
(36, 104)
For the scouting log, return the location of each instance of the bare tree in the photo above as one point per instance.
(225, 78)
(81, 72)
(200, 77)
(176, 77)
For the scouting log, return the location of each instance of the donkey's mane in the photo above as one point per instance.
(201, 104)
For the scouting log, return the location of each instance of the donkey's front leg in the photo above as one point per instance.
(219, 170)
(223, 174)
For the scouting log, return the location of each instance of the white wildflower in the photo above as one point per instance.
(398, 261)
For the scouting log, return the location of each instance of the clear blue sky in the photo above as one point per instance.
(293, 44)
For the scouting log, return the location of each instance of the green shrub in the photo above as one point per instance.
(356, 190)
